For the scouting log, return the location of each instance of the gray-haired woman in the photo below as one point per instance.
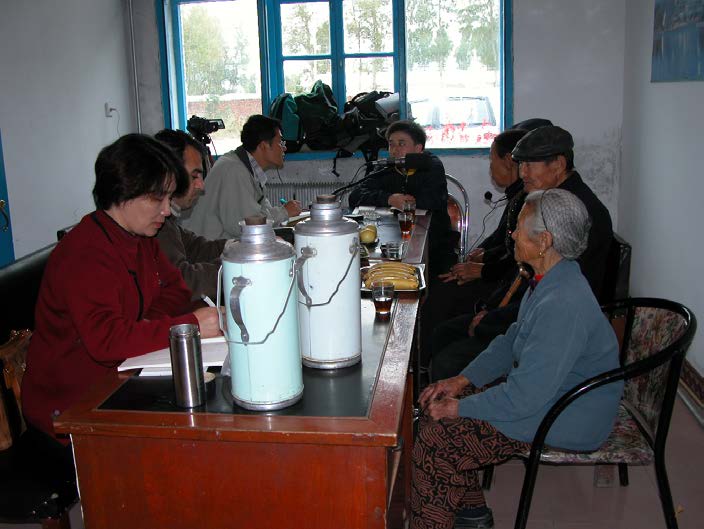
(560, 339)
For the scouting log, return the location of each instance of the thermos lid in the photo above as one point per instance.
(258, 243)
(326, 219)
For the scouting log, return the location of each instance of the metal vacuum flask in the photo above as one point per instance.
(257, 281)
(328, 276)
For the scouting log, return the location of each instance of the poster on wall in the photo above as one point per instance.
(678, 41)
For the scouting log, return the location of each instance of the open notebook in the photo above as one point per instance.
(158, 363)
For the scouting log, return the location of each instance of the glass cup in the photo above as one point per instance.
(409, 207)
(383, 296)
(394, 250)
(405, 221)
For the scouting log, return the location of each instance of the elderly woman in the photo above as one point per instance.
(108, 292)
(560, 339)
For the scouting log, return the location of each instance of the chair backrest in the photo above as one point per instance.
(454, 210)
(655, 330)
(460, 222)
(657, 335)
(13, 356)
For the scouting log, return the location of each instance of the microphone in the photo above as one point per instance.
(413, 160)
(488, 196)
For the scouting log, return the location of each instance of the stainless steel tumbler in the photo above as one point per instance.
(187, 365)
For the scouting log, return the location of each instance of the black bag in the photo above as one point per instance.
(317, 111)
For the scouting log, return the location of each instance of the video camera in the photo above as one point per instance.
(201, 128)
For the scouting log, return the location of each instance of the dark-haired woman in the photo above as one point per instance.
(108, 292)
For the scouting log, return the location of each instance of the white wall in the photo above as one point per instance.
(60, 62)
(662, 184)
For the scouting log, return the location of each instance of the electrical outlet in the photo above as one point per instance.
(108, 110)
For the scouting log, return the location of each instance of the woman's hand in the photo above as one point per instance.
(466, 272)
(208, 321)
(443, 389)
(443, 409)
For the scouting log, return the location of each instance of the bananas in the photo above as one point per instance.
(403, 276)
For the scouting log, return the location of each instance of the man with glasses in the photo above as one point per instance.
(236, 185)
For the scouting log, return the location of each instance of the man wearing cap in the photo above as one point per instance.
(546, 161)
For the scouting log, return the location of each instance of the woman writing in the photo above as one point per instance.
(108, 292)
(561, 338)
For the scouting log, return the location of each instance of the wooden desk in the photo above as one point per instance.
(169, 468)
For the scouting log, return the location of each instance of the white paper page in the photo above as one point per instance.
(159, 362)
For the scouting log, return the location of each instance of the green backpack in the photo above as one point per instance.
(284, 109)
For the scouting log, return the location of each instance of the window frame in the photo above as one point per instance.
(271, 61)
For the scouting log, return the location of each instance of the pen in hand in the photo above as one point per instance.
(207, 300)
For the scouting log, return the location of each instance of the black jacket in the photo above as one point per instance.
(429, 187)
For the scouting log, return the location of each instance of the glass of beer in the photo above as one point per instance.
(383, 296)
(405, 221)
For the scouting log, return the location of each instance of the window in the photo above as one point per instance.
(229, 58)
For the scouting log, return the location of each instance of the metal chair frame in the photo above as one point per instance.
(464, 226)
(674, 353)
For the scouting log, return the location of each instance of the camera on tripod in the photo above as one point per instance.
(201, 128)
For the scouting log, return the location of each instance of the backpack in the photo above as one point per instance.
(284, 109)
(317, 111)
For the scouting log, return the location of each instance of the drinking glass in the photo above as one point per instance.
(383, 296)
(394, 250)
(405, 221)
(409, 207)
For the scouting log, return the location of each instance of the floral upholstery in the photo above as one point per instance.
(626, 444)
(653, 330)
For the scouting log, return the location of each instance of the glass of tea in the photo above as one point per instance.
(409, 207)
(405, 221)
(383, 296)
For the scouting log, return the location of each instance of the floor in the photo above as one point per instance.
(565, 497)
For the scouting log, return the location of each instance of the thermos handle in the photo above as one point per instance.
(307, 252)
(238, 285)
(237, 314)
(217, 302)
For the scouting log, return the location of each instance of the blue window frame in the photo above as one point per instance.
(274, 58)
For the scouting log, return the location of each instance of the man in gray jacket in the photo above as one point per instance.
(196, 257)
(236, 185)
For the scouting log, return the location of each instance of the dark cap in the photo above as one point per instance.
(531, 124)
(543, 143)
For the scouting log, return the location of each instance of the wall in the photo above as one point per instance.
(576, 64)
(662, 185)
(61, 61)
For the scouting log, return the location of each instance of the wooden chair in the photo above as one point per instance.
(657, 334)
(31, 488)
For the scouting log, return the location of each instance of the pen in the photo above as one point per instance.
(282, 200)
(207, 300)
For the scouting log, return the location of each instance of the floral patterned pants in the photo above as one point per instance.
(446, 455)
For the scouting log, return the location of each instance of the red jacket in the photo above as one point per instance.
(106, 296)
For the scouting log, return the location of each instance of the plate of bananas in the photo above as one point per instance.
(405, 277)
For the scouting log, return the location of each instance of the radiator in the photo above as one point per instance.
(304, 192)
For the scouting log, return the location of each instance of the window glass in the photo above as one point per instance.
(368, 26)
(300, 75)
(305, 28)
(453, 70)
(222, 74)
(371, 73)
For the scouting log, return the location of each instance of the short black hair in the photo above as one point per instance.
(133, 166)
(257, 129)
(411, 128)
(507, 140)
(178, 140)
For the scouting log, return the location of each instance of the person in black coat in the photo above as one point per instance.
(427, 186)
(546, 160)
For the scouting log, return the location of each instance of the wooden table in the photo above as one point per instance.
(151, 465)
